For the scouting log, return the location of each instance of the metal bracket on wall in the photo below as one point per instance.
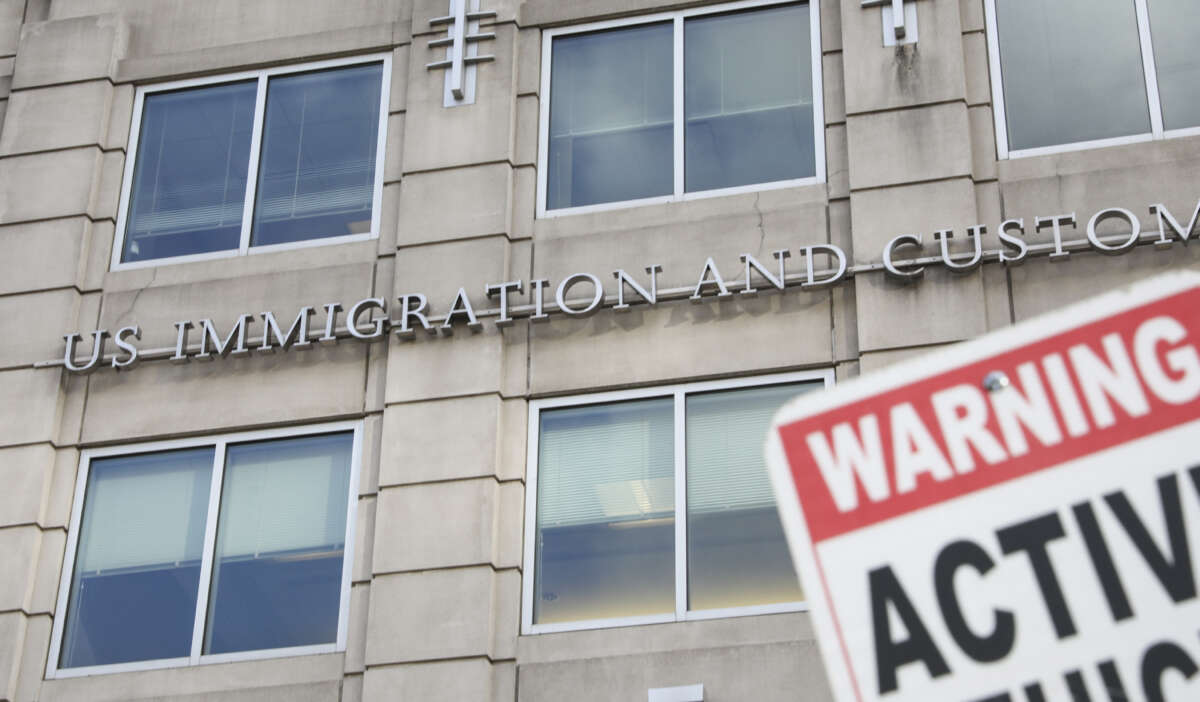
(462, 51)
(899, 20)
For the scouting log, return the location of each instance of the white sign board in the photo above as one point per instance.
(1014, 519)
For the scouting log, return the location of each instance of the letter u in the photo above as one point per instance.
(98, 337)
(976, 235)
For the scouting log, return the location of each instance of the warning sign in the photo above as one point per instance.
(1015, 519)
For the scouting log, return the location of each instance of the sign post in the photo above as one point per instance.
(1013, 519)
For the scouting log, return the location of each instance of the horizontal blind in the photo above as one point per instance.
(1082, 53)
(145, 510)
(285, 495)
(192, 156)
(319, 142)
(185, 218)
(726, 432)
(1173, 27)
(722, 51)
(611, 111)
(611, 81)
(351, 198)
(606, 463)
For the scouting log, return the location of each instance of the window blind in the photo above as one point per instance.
(610, 116)
(726, 432)
(722, 53)
(190, 173)
(1173, 27)
(748, 98)
(145, 510)
(319, 145)
(1072, 71)
(606, 463)
(285, 495)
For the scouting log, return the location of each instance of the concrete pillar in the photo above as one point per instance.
(912, 171)
(59, 171)
(444, 571)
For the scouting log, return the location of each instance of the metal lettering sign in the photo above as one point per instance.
(585, 293)
(1016, 519)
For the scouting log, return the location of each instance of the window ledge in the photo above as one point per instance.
(297, 260)
(261, 54)
(549, 13)
(202, 681)
(791, 627)
(1085, 159)
(720, 204)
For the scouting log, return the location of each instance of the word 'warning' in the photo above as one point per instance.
(1015, 519)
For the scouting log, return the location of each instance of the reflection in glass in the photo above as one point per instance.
(605, 512)
(1072, 71)
(137, 566)
(277, 571)
(748, 98)
(611, 107)
(1173, 28)
(737, 553)
(189, 179)
(317, 172)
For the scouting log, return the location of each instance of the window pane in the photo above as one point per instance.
(737, 553)
(1173, 27)
(277, 572)
(605, 512)
(611, 111)
(748, 98)
(137, 566)
(317, 177)
(189, 180)
(1072, 71)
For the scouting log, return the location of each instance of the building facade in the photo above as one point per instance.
(423, 349)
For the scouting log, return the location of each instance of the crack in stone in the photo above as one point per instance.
(762, 231)
(138, 294)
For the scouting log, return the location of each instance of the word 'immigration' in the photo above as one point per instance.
(370, 320)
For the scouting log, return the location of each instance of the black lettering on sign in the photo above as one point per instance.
(1106, 570)
(891, 655)
(1033, 693)
(1031, 537)
(985, 648)
(1078, 690)
(1112, 682)
(1158, 659)
(1174, 574)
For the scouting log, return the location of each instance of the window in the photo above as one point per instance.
(671, 106)
(206, 551)
(258, 161)
(654, 505)
(1085, 73)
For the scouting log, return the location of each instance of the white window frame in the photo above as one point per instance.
(262, 76)
(678, 194)
(678, 393)
(999, 110)
(219, 443)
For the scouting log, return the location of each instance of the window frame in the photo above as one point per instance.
(262, 76)
(678, 392)
(1150, 74)
(679, 194)
(219, 442)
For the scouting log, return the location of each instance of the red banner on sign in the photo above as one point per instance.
(996, 419)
